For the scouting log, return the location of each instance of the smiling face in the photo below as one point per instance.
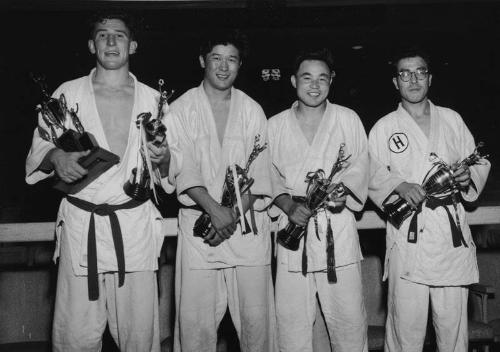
(312, 82)
(111, 44)
(414, 91)
(221, 66)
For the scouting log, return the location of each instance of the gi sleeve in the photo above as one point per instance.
(480, 171)
(40, 146)
(260, 167)
(355, 177)
(185, 173)
(382, 181)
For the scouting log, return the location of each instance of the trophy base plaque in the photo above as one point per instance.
(97, 162)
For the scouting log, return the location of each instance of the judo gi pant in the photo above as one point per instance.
(342, 305)
(407, 314)
(131, 310)
(202, 297)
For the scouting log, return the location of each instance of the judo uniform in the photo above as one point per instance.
(432, 266)
(341, 302)
(236, 273)
(131, 310)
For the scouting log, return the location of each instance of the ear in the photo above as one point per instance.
(133, 47)
(294, 81)
(395, 82)
(430, 80)
(202, 61)
(91, 46)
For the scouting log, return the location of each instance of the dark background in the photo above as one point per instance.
(50, 37)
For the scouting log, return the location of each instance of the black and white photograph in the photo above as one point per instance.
(250, 176)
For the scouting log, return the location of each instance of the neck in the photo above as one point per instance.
(417, 110)
(311, 113)
(112, 78)
(216, 95)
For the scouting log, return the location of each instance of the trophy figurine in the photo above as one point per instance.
(55, 113)
(236, 183)
(141, 185)
(439, 182)
(320, 190)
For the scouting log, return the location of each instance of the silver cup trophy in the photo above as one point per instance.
(59, 120)
(438, 182)
(203, 224)
(320, 190)
(144, 176)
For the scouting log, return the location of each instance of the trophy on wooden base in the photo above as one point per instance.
(66, 132)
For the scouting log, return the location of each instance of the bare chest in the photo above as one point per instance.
(221, 115)
(115, 112)
(425, 125)
(309, 130)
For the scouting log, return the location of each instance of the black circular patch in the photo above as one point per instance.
(398, 142)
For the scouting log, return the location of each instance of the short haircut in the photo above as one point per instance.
(225, 37)
(322, 54)
(409, 52)
(101, 17)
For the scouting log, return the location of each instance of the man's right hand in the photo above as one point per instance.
(66, 164)
(413, 193)
(299, 214)
(223, 221)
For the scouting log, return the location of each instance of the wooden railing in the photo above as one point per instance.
(44, 231)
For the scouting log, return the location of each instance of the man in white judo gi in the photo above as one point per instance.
(427, 260)
(303, 139)
(107, 244)
(216, 126)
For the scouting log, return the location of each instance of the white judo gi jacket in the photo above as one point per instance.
(292, 158)
(141, 227)
(400, 151)
(204, 163)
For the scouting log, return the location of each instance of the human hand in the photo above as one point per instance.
(159, 154)
(337, 202)
(462, 176)
(223, 222)
(66, 164)
(413, 193)
(299, 214)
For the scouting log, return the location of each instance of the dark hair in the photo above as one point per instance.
(405, 53)
(101, 17)
(225, 37)
(322, 54)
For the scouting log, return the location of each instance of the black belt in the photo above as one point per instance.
(192, 207)
(103, 210)
(330, 246)
(433, 203)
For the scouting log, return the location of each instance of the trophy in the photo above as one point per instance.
(55, 113)
(438, 183)
(320, 189)
(144, 176)
(231, 191)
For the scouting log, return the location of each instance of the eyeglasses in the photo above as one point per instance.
(420, 74)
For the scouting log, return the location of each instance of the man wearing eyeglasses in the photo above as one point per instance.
(431, 256)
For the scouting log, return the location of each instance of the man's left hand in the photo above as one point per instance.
(159, 155)
(462, 176)
(337, 202)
